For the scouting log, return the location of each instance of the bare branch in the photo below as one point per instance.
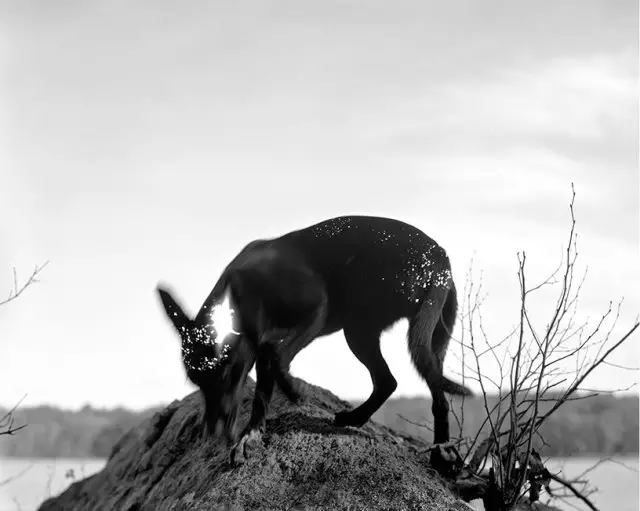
(571, 487)
(18, 290)
(7, 420)
(575, 386)
(618, 366)
(12, 478)
(533, 364)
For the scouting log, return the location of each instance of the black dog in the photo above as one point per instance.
(354, 273)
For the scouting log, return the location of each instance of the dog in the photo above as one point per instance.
(359, 274)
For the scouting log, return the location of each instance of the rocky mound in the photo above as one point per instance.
(305, 464)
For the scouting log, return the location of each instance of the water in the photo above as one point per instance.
(37, 479)
(616, 482)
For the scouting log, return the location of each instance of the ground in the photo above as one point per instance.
(306, 463)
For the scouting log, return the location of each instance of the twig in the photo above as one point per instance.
(17, 290)
(7, 420)
(577, 493)
(16, 476)
(575, 386)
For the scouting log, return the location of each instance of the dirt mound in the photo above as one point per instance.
(305, 464)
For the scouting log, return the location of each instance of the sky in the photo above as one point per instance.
(149, 141)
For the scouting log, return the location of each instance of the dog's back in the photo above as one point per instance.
(374, 268)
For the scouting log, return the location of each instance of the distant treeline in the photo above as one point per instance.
(55, 433)
(602, 425)
(599, 425)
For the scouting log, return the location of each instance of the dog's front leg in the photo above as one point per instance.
(252, 435)
(271, 340)
(273, 364)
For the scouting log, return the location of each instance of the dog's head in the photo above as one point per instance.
(217, 358)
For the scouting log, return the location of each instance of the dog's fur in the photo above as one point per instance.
(354, 273)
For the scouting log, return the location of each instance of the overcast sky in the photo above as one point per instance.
(150, 141)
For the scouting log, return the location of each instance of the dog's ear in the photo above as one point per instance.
(179, 319)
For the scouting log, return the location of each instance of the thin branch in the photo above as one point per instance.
(12, 478)
(618, 366)
(575, 386)
(18, 290)
(570, 486)
(7, 420)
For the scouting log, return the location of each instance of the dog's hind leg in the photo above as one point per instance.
(364, 342)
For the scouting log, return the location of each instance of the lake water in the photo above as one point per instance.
(34, 480)
(616, 482)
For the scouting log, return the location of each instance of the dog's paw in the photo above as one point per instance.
(446, 460)
(248, 442)
(348, 418)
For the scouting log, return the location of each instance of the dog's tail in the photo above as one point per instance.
(429, 333)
